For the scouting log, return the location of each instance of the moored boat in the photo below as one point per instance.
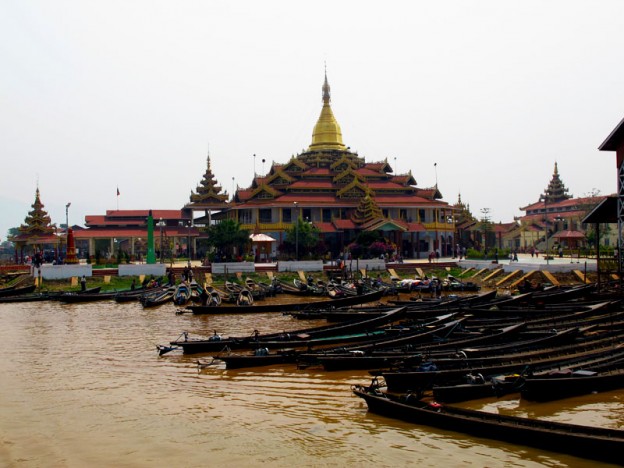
(13, 291)
(298, 306)
(583, 441)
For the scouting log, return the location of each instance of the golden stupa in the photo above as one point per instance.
(326, 134)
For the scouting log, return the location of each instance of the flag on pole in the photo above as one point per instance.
(117, 191)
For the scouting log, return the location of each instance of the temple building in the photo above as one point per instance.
(125, 231)
(37, 235)
(481, 234)
(556, 219)
(342, 195)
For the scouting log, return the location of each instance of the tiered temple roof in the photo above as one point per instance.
(328, 173)
(37, 228)
(208, 193)
(556, 191)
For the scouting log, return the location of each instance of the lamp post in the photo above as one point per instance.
(189, 243)
(546, 228)
(161, 224)
(296, 232)
(67, 227)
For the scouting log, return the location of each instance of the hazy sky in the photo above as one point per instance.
(100, 94)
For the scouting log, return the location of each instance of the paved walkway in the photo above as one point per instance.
(525, 262)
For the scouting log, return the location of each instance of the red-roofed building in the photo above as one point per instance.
(325, 185)
(126, 231)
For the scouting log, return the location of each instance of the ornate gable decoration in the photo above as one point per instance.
(295, 166)
(346, 177)
(265, 192)
(343, 163)
(279, 177)
(355, 189)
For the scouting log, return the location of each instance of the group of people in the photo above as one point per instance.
(459, 252)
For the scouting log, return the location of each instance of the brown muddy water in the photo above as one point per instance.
(83, 386)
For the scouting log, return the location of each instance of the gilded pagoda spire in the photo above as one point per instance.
(327, 134)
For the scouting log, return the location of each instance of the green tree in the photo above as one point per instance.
(227, 235)
(303, 234)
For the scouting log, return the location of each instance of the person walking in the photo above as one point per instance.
(83, 283)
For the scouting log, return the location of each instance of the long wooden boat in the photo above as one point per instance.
(47, 295)
(310, 305)
(72, 298)
(563, 294)
(257, 358)
(33, 297)
(17, 290)
(129, 296)
(275, 352)
(158, 297)
(583, 441)
(479, 386)
(476, 387)
(368, 357)
(429, 374)
(559, 385)
(285, 338)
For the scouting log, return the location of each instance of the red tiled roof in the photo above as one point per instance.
(504, 227)
(570, 202)
(166, 214)
(569, 235)
(325, 227)
(344, 224)
(368, 171)
(539, 217)
(376, 166)
(130, 217)
(384, 185)
(318, 171)
(415, 227)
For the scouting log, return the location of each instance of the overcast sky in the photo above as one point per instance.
(97, 95)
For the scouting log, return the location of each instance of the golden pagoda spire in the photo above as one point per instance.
(326, 134)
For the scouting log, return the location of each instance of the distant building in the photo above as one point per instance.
(478, 234)
(556, 219)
